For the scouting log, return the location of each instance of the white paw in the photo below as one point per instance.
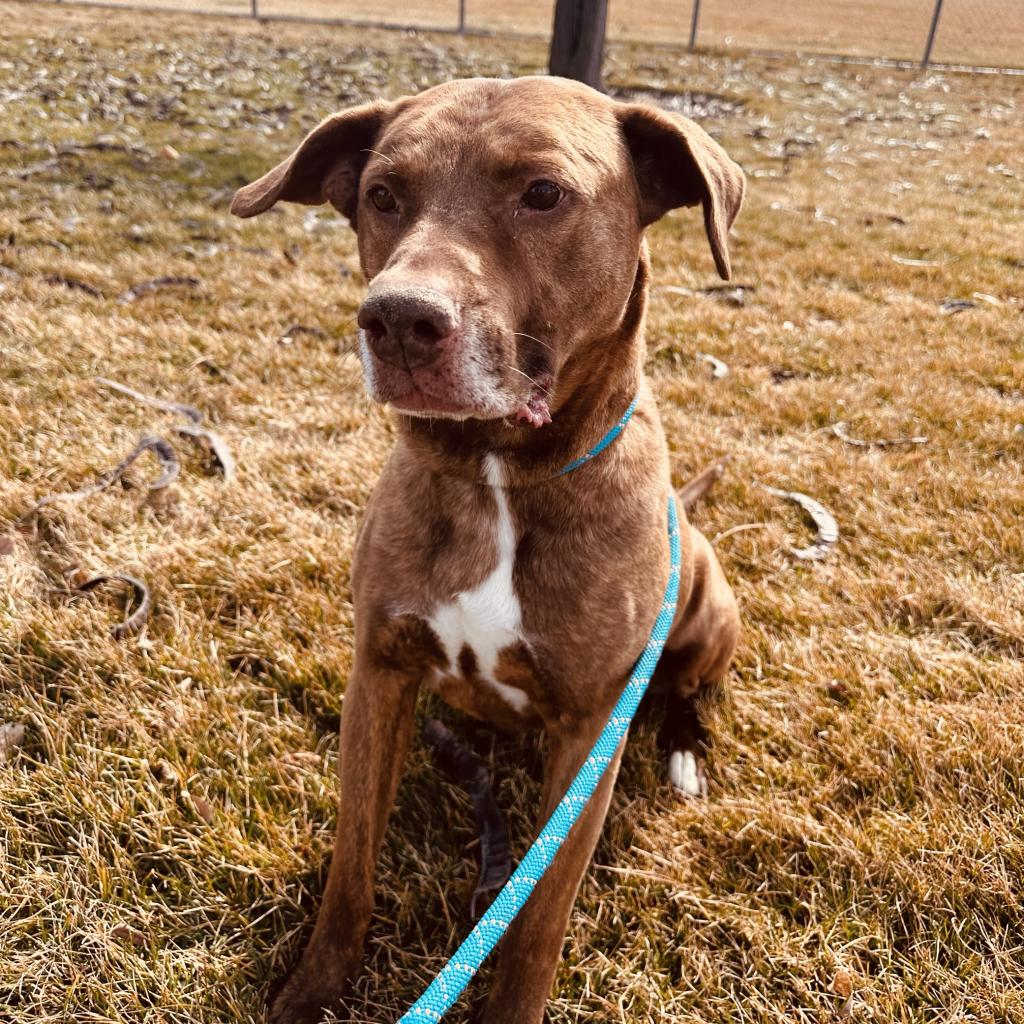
(686, 775)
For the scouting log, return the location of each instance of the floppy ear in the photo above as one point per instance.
(678, 164)
(325, 168)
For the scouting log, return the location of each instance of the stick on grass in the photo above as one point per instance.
(140, 598)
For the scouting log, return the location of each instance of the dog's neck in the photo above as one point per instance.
(595, 386)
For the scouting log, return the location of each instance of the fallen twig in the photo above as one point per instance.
(739, 528)
(194, 430)
(169, 470)
(145, 287)
(74, 284)
(953, 306)
(295, 330)
(188, 411)
(824, 522)
(140, 597)
(839, 430)
(464, 767)
(212, 369)
(910, 261)
(689, 494)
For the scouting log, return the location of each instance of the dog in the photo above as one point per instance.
(501, 229)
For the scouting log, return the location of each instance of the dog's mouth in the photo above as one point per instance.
(532, 410)
(535, 411)
(460, 388)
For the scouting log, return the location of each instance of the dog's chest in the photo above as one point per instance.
(478, 624)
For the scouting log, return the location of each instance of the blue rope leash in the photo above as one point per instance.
(453, 978)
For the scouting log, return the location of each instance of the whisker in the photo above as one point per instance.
(383, 156)
(541, 387)
(520, 334)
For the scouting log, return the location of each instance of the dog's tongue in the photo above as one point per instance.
(534, 411)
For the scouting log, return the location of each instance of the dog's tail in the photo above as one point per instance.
(462, 765)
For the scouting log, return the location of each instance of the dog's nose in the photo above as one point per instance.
(405, 326)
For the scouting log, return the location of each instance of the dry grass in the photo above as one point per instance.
(980, 32)
(165, 827)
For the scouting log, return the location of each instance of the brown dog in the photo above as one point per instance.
(501, 225)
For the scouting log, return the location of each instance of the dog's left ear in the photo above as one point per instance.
(678, 164)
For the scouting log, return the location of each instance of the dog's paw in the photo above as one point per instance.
(686, 773)
(304, 997)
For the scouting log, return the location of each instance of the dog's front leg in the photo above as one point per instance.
(376, 724)
(530, 952)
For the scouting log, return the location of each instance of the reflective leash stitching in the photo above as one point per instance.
(456, 975)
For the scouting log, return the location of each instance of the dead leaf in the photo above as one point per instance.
(123, 933)
(842, 983)
(202, 807)
(718, 368)
(220, 456)
(6, 546)
(824, 523)
(12, 737)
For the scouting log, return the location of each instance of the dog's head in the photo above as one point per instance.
(499, 226)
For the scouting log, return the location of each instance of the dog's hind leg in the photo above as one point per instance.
(694, 663)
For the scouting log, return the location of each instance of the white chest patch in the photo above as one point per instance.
(487, 618)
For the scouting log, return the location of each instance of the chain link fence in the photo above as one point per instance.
(974, 33)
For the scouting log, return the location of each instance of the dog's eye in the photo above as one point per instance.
(542, 195)
(382, 199)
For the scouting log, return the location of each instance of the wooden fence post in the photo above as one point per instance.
(577, 40)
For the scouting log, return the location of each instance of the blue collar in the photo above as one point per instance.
(604, 442)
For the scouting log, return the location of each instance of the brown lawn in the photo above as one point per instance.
(165, 822)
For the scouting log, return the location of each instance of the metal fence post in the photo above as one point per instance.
(462, 17)
(695, 17)
(253, 9)
(926, 59)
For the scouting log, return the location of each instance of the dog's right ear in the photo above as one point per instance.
(325, 168)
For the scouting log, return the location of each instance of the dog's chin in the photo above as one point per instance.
(529, 410)
(416, 403)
